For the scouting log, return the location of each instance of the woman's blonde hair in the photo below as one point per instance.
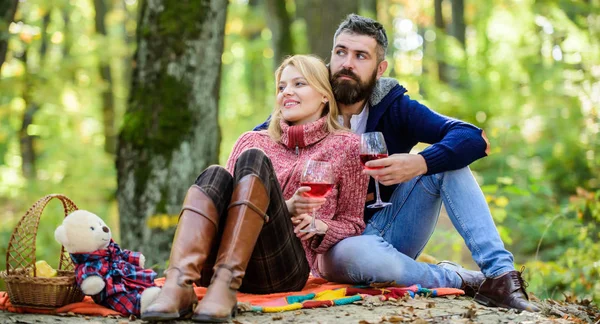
(316, 74)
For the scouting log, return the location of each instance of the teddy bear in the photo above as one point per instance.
(114, 277)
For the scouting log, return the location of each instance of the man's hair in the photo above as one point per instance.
(359, 25)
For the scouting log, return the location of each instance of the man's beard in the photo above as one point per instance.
(348, 92)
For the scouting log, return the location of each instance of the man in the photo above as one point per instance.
(415, 184)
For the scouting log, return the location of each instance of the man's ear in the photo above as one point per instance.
(381, 68)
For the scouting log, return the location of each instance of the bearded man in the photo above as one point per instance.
(415, 184)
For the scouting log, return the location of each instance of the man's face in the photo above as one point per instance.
(354, 68)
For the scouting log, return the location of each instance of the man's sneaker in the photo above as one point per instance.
(507, 290)
(471, 280)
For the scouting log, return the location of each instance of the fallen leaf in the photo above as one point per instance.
(244, 307)
(395, 319)
(471, 312)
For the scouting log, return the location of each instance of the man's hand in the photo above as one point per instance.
(397, 168)
(300, 204)
(303, 221)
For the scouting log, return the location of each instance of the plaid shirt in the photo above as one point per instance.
(124, 278)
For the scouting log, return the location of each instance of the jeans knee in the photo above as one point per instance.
(458, 173)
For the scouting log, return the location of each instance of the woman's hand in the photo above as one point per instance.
(301, 204)
(302, 221)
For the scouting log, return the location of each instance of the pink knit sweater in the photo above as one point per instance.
(343, 210)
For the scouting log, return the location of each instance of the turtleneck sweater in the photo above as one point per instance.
(343, 210)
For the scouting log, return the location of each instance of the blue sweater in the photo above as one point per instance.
(405, 122)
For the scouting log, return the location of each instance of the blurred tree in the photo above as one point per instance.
(107, 101)
(440, 26)
(26, 140)
(368, 8)
(32, 76)
(321, 27)
(170, 129)
(280, 22)
(8, 8)
(457, 28)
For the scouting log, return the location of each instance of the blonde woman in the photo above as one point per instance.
(240, 225)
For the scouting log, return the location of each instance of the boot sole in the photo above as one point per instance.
(203, 318)
(155, 316)
(485, 301)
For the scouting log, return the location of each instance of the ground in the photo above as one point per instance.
(419, 310)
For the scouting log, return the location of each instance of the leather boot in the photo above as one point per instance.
(471, 280)
(197, 227)
(507, 290)
(244, 223)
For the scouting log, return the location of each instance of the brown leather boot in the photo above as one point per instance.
(245, 220)
(471, 280)
(507, 290)
(193, 239)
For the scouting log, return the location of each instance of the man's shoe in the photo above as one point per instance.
(507, 290)
(471, 280)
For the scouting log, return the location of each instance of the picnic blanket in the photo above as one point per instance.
(316, 293)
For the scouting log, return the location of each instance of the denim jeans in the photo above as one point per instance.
(396, 235)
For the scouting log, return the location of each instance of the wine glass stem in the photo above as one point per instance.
(377, 191)
(313, 226)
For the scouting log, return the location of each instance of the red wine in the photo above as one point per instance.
(364, 158)
(317, 190)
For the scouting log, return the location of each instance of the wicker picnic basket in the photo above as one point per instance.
(25, 290)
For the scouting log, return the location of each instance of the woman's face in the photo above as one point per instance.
(299, 102)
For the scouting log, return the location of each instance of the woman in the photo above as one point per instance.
(246, 219)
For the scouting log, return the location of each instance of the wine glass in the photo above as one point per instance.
(372, 147)
(317, 175)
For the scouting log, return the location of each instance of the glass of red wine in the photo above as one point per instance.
(317, 175)
(372, 147)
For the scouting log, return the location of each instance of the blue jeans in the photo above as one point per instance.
(397, 234)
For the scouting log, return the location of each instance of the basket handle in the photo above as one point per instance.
(21, 246)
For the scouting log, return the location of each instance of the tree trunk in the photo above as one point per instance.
(439, 41)
(8, 8)
(170, 130)
(127, 39)
(320, 26)
(279, 22)
(368, 8)
(26, 141)
(458, 28)
(108, 103)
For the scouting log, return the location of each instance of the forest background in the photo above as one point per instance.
(119, 104)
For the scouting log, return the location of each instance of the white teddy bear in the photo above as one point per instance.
(114, 277)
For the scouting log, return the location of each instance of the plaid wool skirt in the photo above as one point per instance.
(278, 262)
